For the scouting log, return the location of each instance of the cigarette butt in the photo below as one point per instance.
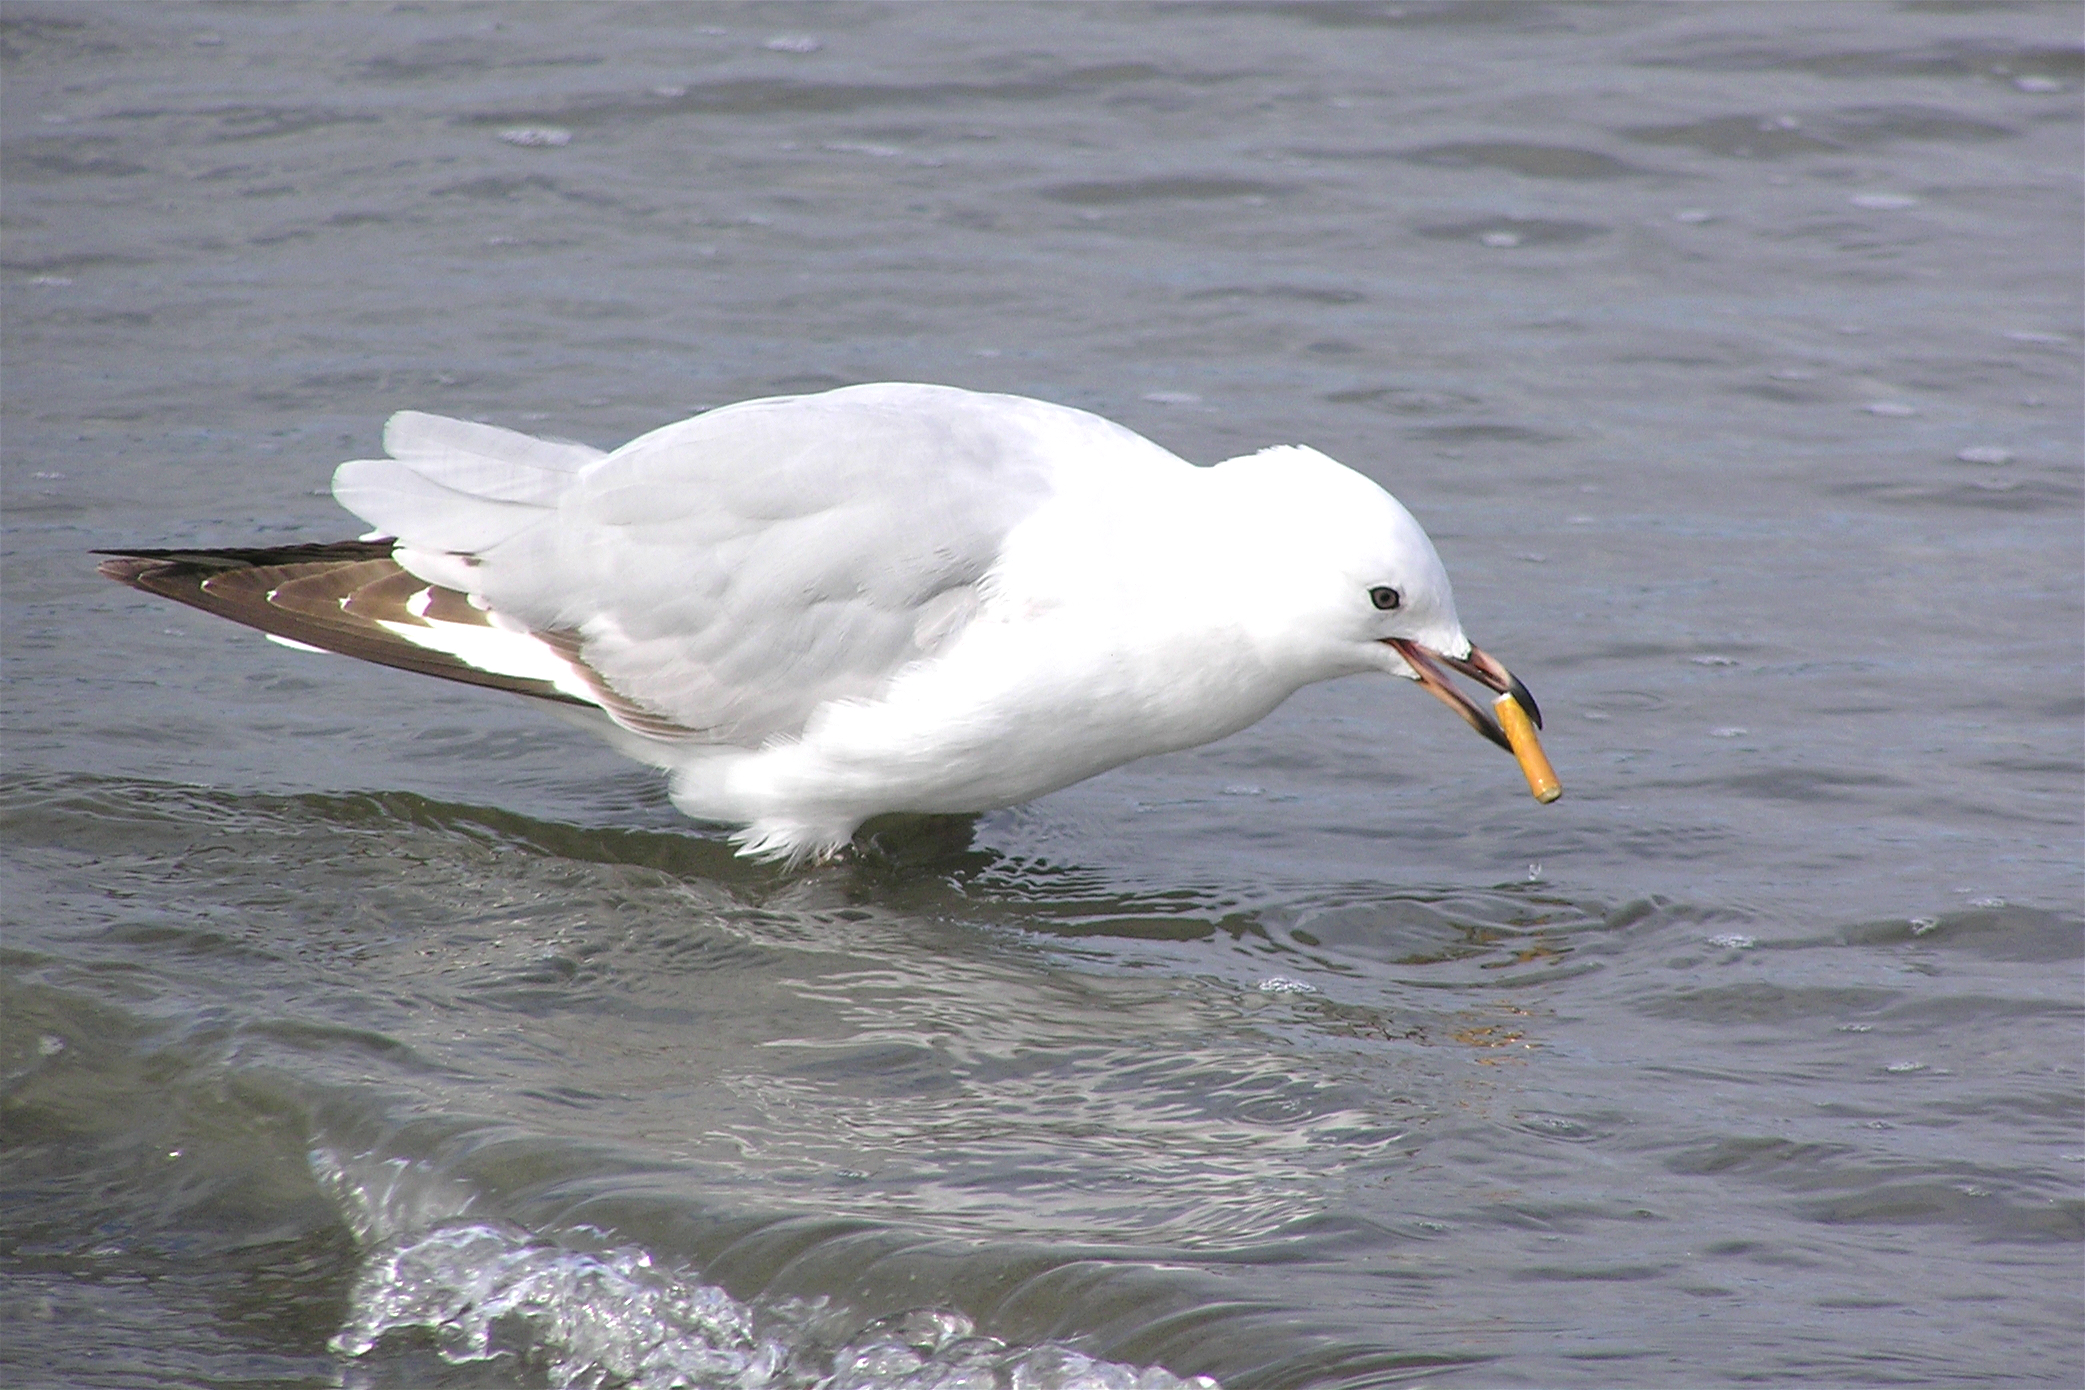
(1534, 764)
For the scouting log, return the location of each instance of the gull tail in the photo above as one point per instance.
(452, 491)
(449, 490)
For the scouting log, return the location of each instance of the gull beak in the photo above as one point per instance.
(1515, 708)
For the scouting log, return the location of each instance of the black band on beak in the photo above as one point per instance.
(1488, 672)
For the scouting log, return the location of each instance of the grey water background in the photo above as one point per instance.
(360, 1029)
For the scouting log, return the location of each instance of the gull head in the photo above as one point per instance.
(1338, 578)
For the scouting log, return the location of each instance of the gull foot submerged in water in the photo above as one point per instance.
(811, 610)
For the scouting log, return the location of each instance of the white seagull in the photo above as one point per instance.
(811, 610)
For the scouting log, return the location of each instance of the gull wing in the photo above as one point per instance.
(714, 581)
(349, 597)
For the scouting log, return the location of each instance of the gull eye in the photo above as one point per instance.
(1385, 597)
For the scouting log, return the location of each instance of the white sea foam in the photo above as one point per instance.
(490, 1292)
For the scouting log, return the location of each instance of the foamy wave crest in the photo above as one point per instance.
(383, 1199)
(611, 1318)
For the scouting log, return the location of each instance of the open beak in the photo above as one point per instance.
(1515, 708)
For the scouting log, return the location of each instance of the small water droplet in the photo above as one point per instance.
(1883, 202)
(1987, 902)
(1902, 1067)
(793, 43)
(1733, 941)
(1713, 660)
(1992, 454)
(1282, 984)
(1729, 731)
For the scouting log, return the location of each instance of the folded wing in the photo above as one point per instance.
(711, 582)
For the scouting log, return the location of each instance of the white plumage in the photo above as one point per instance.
(816, 609)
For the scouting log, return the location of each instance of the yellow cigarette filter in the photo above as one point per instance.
(1534, 763)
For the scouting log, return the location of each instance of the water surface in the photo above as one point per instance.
(360, 1029)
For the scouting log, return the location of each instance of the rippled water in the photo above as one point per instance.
(363, 1030)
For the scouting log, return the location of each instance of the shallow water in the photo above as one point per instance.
(363, 1030)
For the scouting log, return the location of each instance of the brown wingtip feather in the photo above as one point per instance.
(150, 569)
(336, 595)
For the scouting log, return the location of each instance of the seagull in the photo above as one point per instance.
(811, 610)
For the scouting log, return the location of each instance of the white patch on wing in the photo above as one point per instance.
(292, 643)
(494, 650)
(943, 616)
